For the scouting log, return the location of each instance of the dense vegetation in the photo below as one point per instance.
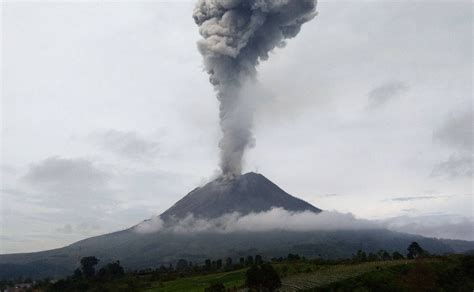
(381, 271)
(454, 273)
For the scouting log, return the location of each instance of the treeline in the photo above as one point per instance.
(184, 267)
(112, 276)
(414, 251)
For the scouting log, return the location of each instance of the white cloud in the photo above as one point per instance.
(153, 224)
(457, 166)
(440, 226)
(457, 134)
(457, 131)
(129, 145)
(65, 173)
(274, 219)
(385, 93)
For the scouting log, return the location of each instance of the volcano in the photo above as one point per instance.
(244, 194)
(251, 192)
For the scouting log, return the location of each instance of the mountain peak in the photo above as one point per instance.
(250, 192)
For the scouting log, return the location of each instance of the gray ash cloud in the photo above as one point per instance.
(237, 35)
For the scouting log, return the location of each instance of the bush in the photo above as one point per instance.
(262, 277)
(216, 287)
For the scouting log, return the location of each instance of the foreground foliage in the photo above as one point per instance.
(381, 271)
(454, 273)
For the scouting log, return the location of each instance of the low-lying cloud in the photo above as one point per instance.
(439, 226)
(274, 219)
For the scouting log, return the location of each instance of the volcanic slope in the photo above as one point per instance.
(244, 194)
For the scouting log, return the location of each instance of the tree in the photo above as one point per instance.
(262, 277)
(372, 257)
(162, 269)
(77, 273)
(216, 287)
(249, 261)
(361, 256)
(111, 271)
(384, 255)
(228, 263)
(88, 265)
(207, 264)
(219, 264)
(182, 265)
(414, 250)
(397, 256)
(293, 257)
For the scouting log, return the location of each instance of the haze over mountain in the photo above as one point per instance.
(248, 194)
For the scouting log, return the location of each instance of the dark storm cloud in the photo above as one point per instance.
(383, 94)
(129, 145)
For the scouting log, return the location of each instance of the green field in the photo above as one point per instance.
(295, 276)
(325, 275)
(445, 273)
(199, 283)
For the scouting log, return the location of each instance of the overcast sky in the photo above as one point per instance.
(108, 117)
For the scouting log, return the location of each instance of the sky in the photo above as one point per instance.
(108, 118)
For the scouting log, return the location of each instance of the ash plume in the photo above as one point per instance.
(237, 34)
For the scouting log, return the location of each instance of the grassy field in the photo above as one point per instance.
(448, 273)
(296, 276)
(325, 275)
(199, 283)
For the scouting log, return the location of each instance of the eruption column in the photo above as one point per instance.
(237, 34)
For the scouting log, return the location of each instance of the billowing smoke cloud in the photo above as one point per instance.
(236, 35)
(274, 219)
